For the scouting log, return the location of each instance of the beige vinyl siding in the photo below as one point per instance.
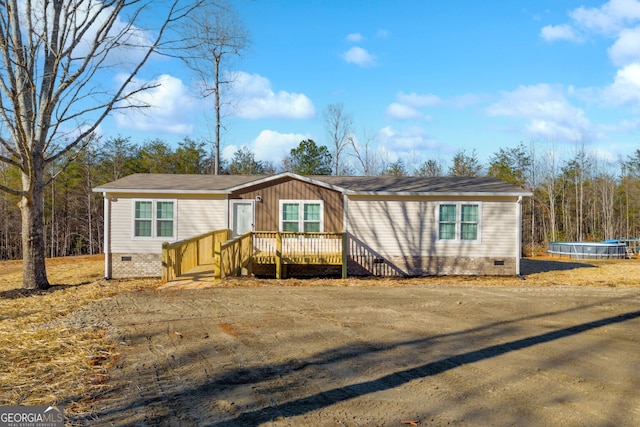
(193, 216)
(397, 226)
(122, 230)
(393, 227)
(200, 216)
(500, 228)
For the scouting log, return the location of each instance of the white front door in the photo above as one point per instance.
(241, 217)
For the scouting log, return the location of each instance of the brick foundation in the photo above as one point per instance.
(399, 266)
(136, 265)
(433, 266)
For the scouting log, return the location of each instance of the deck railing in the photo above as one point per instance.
(273, 247)
(232, 256)
(185, 255)
(229, 257)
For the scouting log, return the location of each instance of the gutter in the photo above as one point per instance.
(107, 236)
(519, 234)
(436, 193)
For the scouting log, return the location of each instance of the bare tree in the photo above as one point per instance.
(366, 156)
(54, 92)
(216, 35)
(338, 126)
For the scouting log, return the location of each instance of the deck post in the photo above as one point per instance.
(345, 254)
(250, 260)
(278, 255)
(239, 258)
(217, 260)
(165, 262)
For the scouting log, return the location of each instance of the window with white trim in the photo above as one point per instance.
(302, 215)
(154, 219)
(459, 221)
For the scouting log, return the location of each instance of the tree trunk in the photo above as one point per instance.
(216, 161)
(33, 256)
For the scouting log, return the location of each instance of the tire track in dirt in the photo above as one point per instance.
(371, 356)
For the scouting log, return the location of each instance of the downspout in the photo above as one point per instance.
(519, 234)
(107, 236)
(345, 217)
(345, 237)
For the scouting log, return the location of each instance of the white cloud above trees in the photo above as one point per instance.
(273, 146)
(169, 108)
(547, 113)
(254, 98)
(408, 106)
(625, 89)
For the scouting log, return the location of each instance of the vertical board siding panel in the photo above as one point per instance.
(267, 211)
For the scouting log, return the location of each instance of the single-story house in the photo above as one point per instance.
(395, 225)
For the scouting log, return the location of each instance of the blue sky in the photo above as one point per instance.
(421, 79)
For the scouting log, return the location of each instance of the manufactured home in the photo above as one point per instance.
(405, 226)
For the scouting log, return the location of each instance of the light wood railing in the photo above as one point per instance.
(232, 256)
(272, 247)
(185, 255)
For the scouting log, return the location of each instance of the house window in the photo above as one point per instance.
(302, 215)
(469, 222)
(459, 221)
(154, 219)
(447, 222)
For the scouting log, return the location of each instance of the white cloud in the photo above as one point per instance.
(355, 37)
(405, 141)
(625, 89)
(616, 19)
(418, 101)
(403, 112)
(548, 113)
(359, 56)
(626, 49)
(274, 146)
(257, 100)
(408, 106)
(559, 32)
(170, 108)
(610, 18)
(382, 34)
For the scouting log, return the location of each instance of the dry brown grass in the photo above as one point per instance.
(538, 271)
(46, 358)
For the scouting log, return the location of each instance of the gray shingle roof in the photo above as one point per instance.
(415, 184)
(174, 182)
(158, 183)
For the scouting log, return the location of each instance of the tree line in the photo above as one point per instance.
(579, 198)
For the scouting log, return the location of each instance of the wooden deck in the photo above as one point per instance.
(297, 248)
(239, 254)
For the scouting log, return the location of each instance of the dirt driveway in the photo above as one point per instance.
(374, 356)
